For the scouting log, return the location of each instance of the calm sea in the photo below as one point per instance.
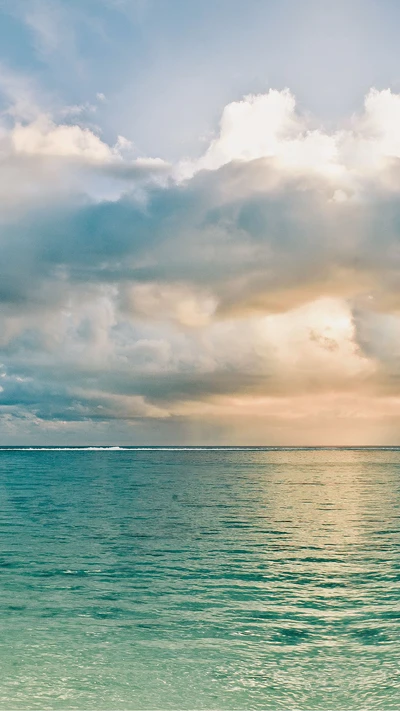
(200, 579)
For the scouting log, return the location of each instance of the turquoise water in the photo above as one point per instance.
(208, 579)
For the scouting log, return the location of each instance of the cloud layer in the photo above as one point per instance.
(254, 290)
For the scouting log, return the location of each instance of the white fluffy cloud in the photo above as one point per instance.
(44, 138)
(268, 126)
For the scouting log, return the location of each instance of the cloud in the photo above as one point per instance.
(262, 276)
(44, 138)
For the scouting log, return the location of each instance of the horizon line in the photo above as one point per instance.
(132, 447)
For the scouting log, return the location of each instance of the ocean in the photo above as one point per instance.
(200, 578)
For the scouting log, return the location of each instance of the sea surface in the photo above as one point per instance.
(172, 578)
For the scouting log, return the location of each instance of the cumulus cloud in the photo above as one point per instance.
(261, 277)
(43, 137)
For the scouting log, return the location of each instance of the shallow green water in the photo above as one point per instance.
(220, 579)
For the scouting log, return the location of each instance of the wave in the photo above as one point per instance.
(131, 449)
(63, 449)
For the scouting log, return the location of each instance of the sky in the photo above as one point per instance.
(200, 222)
